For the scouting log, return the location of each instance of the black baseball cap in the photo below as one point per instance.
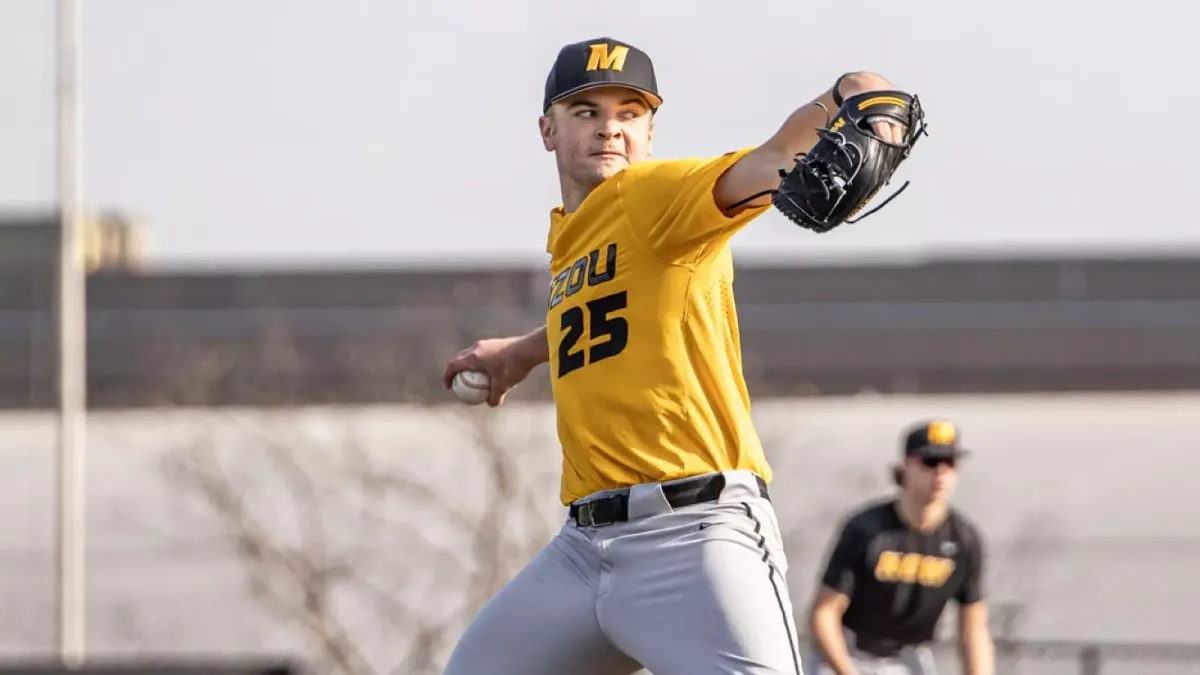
(936, 439)
(598, 63)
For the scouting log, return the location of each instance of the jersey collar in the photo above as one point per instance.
(557, 216)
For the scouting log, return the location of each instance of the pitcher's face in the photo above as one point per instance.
(597, 132)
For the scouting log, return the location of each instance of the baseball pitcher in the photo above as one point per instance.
(671, 557)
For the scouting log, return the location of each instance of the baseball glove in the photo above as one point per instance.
(850, 163)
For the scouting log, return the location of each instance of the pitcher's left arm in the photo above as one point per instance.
(758, 171)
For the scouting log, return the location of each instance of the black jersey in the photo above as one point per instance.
(899, 580)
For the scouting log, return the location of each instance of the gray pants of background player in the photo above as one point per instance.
(910, 661)
(698, 590)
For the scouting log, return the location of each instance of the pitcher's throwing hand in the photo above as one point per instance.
(507, 361)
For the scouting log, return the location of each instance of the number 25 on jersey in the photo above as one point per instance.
(606, 335)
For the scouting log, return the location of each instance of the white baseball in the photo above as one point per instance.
(472, 386)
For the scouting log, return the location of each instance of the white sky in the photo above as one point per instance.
(287, 131)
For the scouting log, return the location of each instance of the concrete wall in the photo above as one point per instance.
(1089, 504)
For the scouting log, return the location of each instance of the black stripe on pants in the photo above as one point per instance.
(771, 572)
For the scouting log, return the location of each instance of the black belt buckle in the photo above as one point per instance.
(601, 511)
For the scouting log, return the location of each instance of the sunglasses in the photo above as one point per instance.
(935, 462)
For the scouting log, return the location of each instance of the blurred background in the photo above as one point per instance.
(295, 210)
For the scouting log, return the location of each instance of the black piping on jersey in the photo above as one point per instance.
(766, 558)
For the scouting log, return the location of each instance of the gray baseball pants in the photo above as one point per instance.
(698, 590)
(910, 661)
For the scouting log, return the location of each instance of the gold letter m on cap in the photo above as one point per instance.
(602, 58)
(942, 432)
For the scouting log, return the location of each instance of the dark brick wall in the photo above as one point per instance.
(382, 335)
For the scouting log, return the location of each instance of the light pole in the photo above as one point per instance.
(72, 343)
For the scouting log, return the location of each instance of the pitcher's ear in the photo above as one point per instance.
(546, 130)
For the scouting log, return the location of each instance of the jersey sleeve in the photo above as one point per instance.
(845, 562)
(671, 206)
(972, 589)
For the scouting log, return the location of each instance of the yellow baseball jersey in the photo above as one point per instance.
(645, 356)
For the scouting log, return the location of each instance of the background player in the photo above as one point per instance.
(897, 563)
(671, 557)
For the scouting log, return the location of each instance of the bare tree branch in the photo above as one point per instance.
(346, 541)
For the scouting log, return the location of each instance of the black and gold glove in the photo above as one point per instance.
(850, 163)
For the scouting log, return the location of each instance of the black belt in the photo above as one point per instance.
(881, 648)
(614, 508)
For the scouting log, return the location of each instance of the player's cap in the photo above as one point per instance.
(934, 439)
(598, 63)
